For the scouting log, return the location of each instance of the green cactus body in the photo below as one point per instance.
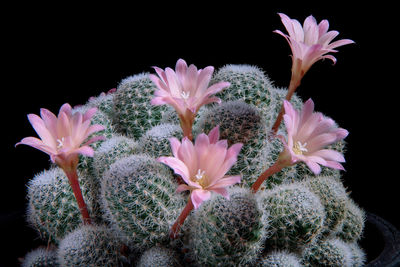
(240, 123)
(90, 245)
(155, 142)
(139, 200)
(104, 103)
(353, 224)
(333, 197)
(328, 253)
(159, 257)
(248, 83)
(112, 150)
(227, 232)
(296, 216)
(133, 112)
(52, 208)
(279, 259)
(40, 257)
(358, 255)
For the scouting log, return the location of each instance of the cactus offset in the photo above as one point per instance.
(279, 259)
(40, 257)
(139, 200)
(228, 232)
(90, 245)
(133, 113)
(52, 208)
(296, 216)
(159, 257)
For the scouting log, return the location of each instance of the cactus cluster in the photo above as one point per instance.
(296, 219)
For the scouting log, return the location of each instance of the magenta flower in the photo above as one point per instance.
(62, 137)
(308, 133)
(310, 43)
(203, 167)
(186, 89)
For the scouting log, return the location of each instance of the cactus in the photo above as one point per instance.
(353, 224)
(227, 232)
(358, 255)
(296, 216)
(40, 257)
(90, 245)
(333, 197)
(328, 253)
(133, 113)
(139, 200)
(248, 83)
(240, 123)
(52, 208)
(104, 102)
(155, 142)
(296, 219)
(279, 259)
(159, 257)
(110, 151)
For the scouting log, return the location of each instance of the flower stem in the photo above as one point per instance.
(173, 233)
(294, 83)
(186, 121)
(73, 180)
(270, 171)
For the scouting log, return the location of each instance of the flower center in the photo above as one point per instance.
(200, 177)
(185, 95)
(299, 148)
(60, 143)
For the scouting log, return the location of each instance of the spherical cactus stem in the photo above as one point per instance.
(294, 83)
(73, 180)
(173, 233)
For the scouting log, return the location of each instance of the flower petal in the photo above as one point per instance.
(225, 182)
(178, 166)
(198, 196)
(41, 129)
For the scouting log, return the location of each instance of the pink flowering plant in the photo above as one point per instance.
(308, 134)
(186, 90)
(203, 167)
(63, 138)
(140, 198)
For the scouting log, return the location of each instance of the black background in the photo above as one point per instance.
(57, 54)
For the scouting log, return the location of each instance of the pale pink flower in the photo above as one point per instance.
(203, 165)
(308, 133)
(310, 42)
(186, 89)
(63, 137)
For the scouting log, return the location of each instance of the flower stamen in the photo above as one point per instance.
(60, 143)
(185, 95)
(299, 148)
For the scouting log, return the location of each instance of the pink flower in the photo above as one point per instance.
(62, 137)
(309, 43)
(203, 165)
(308, 133)
(186, 89)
